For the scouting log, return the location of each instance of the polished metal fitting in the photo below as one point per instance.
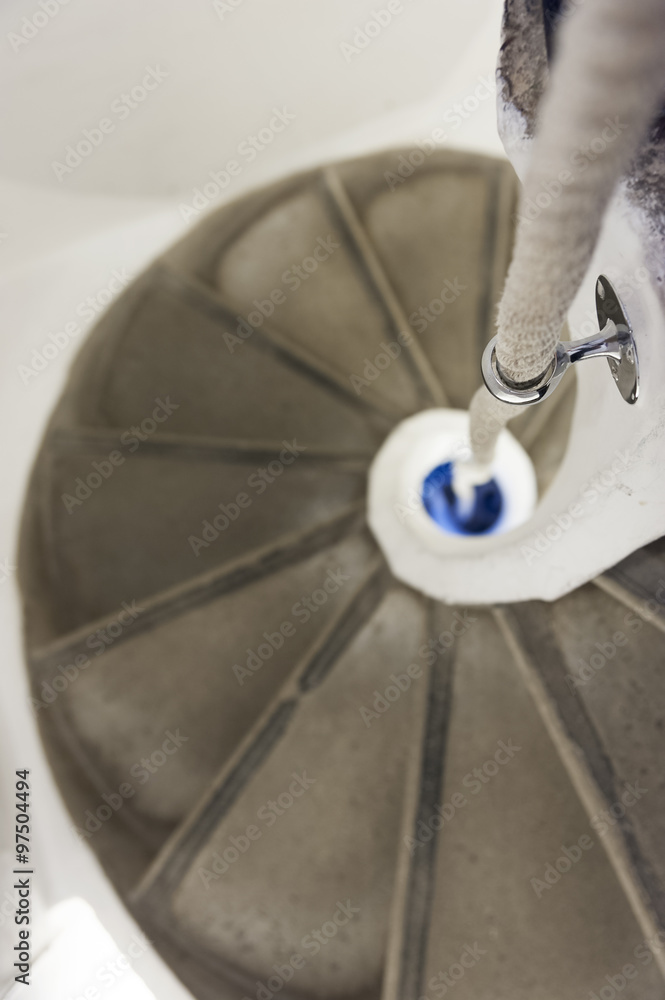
(615, 342)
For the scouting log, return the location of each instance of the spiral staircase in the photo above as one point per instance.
(303, 777)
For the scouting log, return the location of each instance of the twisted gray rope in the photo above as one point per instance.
(606, 83)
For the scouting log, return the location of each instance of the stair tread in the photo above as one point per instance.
(351, 321)
(461, 275)
(622, 688)
(340, 836)
(172, 345)
(642, 576)
(144, 528)
(191, 675)
(535, 939)
(171, 671)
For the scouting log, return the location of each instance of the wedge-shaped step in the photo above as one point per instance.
(171, 347)
(614, 661)
(159, 519)
(601, 666)
(197, 681)
(301, 860)
(462, 211)
(298, 256)
(525, 902)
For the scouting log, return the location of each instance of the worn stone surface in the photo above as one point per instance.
(337, 841)
(240, 647)
(449, 293)
(537, 940)
(159, 505)
(297, 253)
(614, 661)
(172, 668)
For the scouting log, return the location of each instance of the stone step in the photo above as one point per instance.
(206, 674)
(173, 517)
(525, 903)
(339, 843)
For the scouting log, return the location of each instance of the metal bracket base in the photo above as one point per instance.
(625, 371)
(614, 342)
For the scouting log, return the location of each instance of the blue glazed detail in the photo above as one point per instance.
(458, 518)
